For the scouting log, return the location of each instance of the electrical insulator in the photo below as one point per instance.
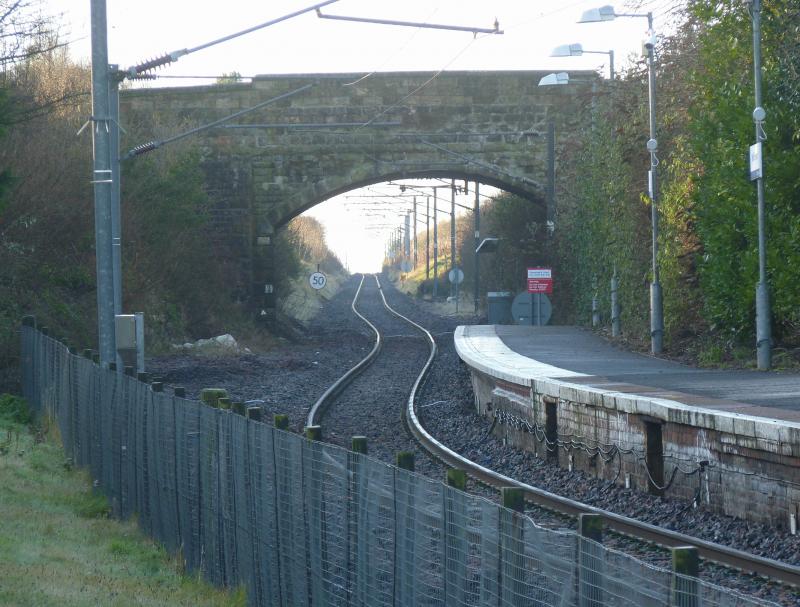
(151, 64)
(143, 149)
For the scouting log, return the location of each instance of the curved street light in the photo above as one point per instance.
(577, 50)
(607, 13)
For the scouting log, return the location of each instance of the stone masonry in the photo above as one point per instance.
(266, 167)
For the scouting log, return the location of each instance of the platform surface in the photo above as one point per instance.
(588, 359)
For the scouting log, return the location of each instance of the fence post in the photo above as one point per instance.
(29, 360)
(405, 460)
(211, 396)
(315, 525)
(685, 569)
(590, 560)
(404, 531)
(454, 516)
(281, 421)
(357, 566)
(179, 391)
(512, 547)
(255, 413)
(359, 444)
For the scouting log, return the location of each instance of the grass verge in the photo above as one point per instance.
(57, 545)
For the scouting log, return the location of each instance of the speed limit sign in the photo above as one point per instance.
(317, 280)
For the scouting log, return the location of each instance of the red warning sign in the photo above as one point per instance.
(540, 280)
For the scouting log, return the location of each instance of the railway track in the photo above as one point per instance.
(730, 557)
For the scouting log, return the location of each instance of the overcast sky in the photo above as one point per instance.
(142, 29)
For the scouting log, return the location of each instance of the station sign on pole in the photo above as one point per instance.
(540, 280)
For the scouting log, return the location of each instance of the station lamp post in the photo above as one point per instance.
(607, 13)
(763, 315)
(577, 50)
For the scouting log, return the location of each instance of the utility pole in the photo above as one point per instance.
(427, 238)
(551, 177)
(116, 207)
(763, 313)
(656, 297)
(415, 232)
(435, 246)
(477, 212)
(407, 238)
(102, 179)
(452, 231)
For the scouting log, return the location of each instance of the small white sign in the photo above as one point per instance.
(317, 280)
(540, 273)
(756, 155)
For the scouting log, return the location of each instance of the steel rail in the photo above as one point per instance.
(723, 555)
(717, 553)
(318, 410)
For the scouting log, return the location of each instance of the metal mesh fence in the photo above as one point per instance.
(306, 523)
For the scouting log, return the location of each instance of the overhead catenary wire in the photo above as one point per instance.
(152, 145)
(177, 54)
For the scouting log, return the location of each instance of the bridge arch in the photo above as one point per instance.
(272, 164)
(311, 197)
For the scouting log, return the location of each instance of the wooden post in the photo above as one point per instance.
(281, 421)
(239, 408)
(590, 560)
(456, 478)
(512, 546)
(513, 498)
(255, 413)
(223, 402)
(455, 543)
(180, 391)
(358, 567)
(685, 569)
(405, 460)
(157, 386)
(129, 371)
(143, 377)
(313, 433)
(211, 396)
(87, 353)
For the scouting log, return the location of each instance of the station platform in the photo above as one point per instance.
(520, 354)
(738, 432)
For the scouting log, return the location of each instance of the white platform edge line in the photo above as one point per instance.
(521, 373)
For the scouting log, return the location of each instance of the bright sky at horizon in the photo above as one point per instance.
(144, 29)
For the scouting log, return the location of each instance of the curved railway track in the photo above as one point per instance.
(723, 555)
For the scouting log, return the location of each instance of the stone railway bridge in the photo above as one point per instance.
(270, 165)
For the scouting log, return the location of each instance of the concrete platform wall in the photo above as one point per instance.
(738, 465)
